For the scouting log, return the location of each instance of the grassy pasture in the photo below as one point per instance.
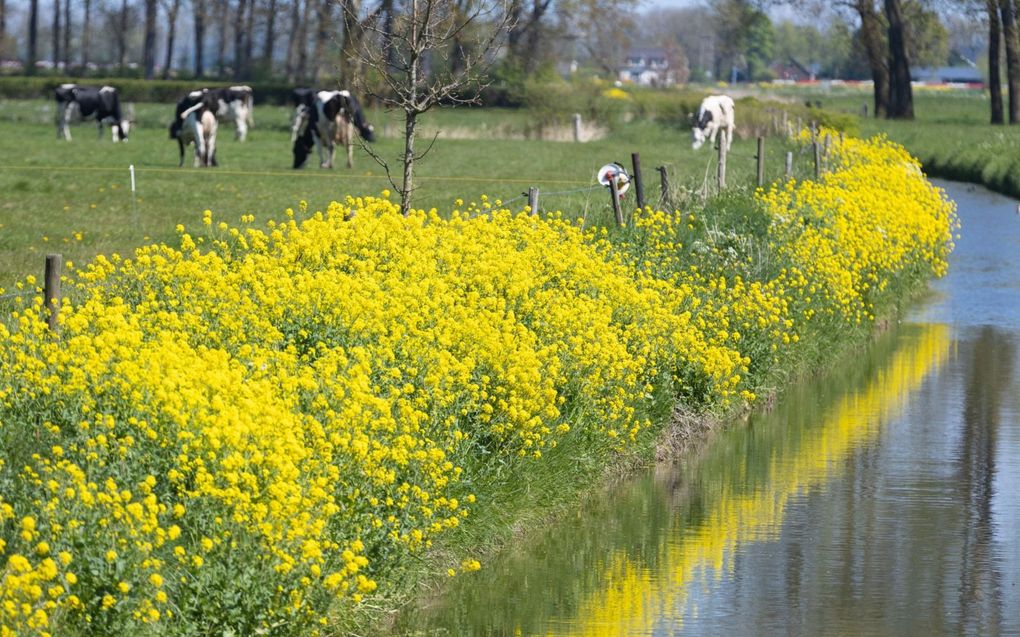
(74, 198)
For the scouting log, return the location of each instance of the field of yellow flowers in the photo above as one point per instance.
(254, 434)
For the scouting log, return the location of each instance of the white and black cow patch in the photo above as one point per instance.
(77, 102)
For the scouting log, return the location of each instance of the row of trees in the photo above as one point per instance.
(297, 40)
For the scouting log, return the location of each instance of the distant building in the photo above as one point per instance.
(648, 66)
(792, 71)
(948, 75)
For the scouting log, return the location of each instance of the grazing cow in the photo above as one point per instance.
(75, 101)
(328, 121)
(236, 104)
(195, 122)
(716, 113)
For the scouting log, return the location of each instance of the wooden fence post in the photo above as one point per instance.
(51, 290)
(761, 161)
(721, 173)
(533, 200)
(818, 158)
(577, 127)
(615, 194)
(664, 182)
(639, 189)
(789, 164)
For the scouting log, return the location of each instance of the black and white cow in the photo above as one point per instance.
(715, 114)
(325, 119)
(195, 123)
(84, 102)
(236, 104)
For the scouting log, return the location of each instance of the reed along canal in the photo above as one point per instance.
(880, 499)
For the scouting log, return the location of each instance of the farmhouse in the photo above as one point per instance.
(648, 66)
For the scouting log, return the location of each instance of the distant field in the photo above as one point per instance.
(74, 198)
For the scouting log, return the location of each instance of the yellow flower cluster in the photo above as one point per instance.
(254, 429)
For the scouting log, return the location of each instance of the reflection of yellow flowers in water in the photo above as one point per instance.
(639, 598)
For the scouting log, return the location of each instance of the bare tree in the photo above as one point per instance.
(172, 9)
(200, 13)
(33, 37)
(222, 22)
(901, 99)
(270, 40)
(86, 36)
(994, 53)
(428, 28)
(121, 37)
(56, 32)
(66, 48)
(1007, 10)
(149, 44)
(239, 39)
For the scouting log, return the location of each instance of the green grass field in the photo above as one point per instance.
(75, 199)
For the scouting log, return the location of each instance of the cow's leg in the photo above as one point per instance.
(210, 149)
(99, 128)
(180, 145)
(349, 143)
(729, 135)
(712, 135)
(242, 129)
(64, 123)
(199, 146)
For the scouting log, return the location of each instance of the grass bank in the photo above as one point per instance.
(279, 424)
(75, 198)
(951, 134)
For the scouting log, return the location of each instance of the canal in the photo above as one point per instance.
(882, 499)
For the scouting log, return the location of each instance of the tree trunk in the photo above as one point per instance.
(239, 33)
(86, 37)
(149, 43)
(901, 97)
(292, 46)
(3, 24)
(267, 48)
(301, 71)
(122, 36)
(56, 33)
(171, 36)
(33, 37)
(200, 14)
(994, 52)
(1009, 33)
(410, 112)
(350, 65)
(221, 51)
(875, 48)
(249, 40)
(322, 19)
(67, 35)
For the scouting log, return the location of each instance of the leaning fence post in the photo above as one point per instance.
(761, 161)
(721, 174)
(789, 164)
(533, 200)
(51, 290)
(818, 158)
(639, 189)
(664, 182)
(614, 192)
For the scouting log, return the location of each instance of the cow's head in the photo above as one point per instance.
(698, 135)
(120, 131)
(304, 141)
(367, 132)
